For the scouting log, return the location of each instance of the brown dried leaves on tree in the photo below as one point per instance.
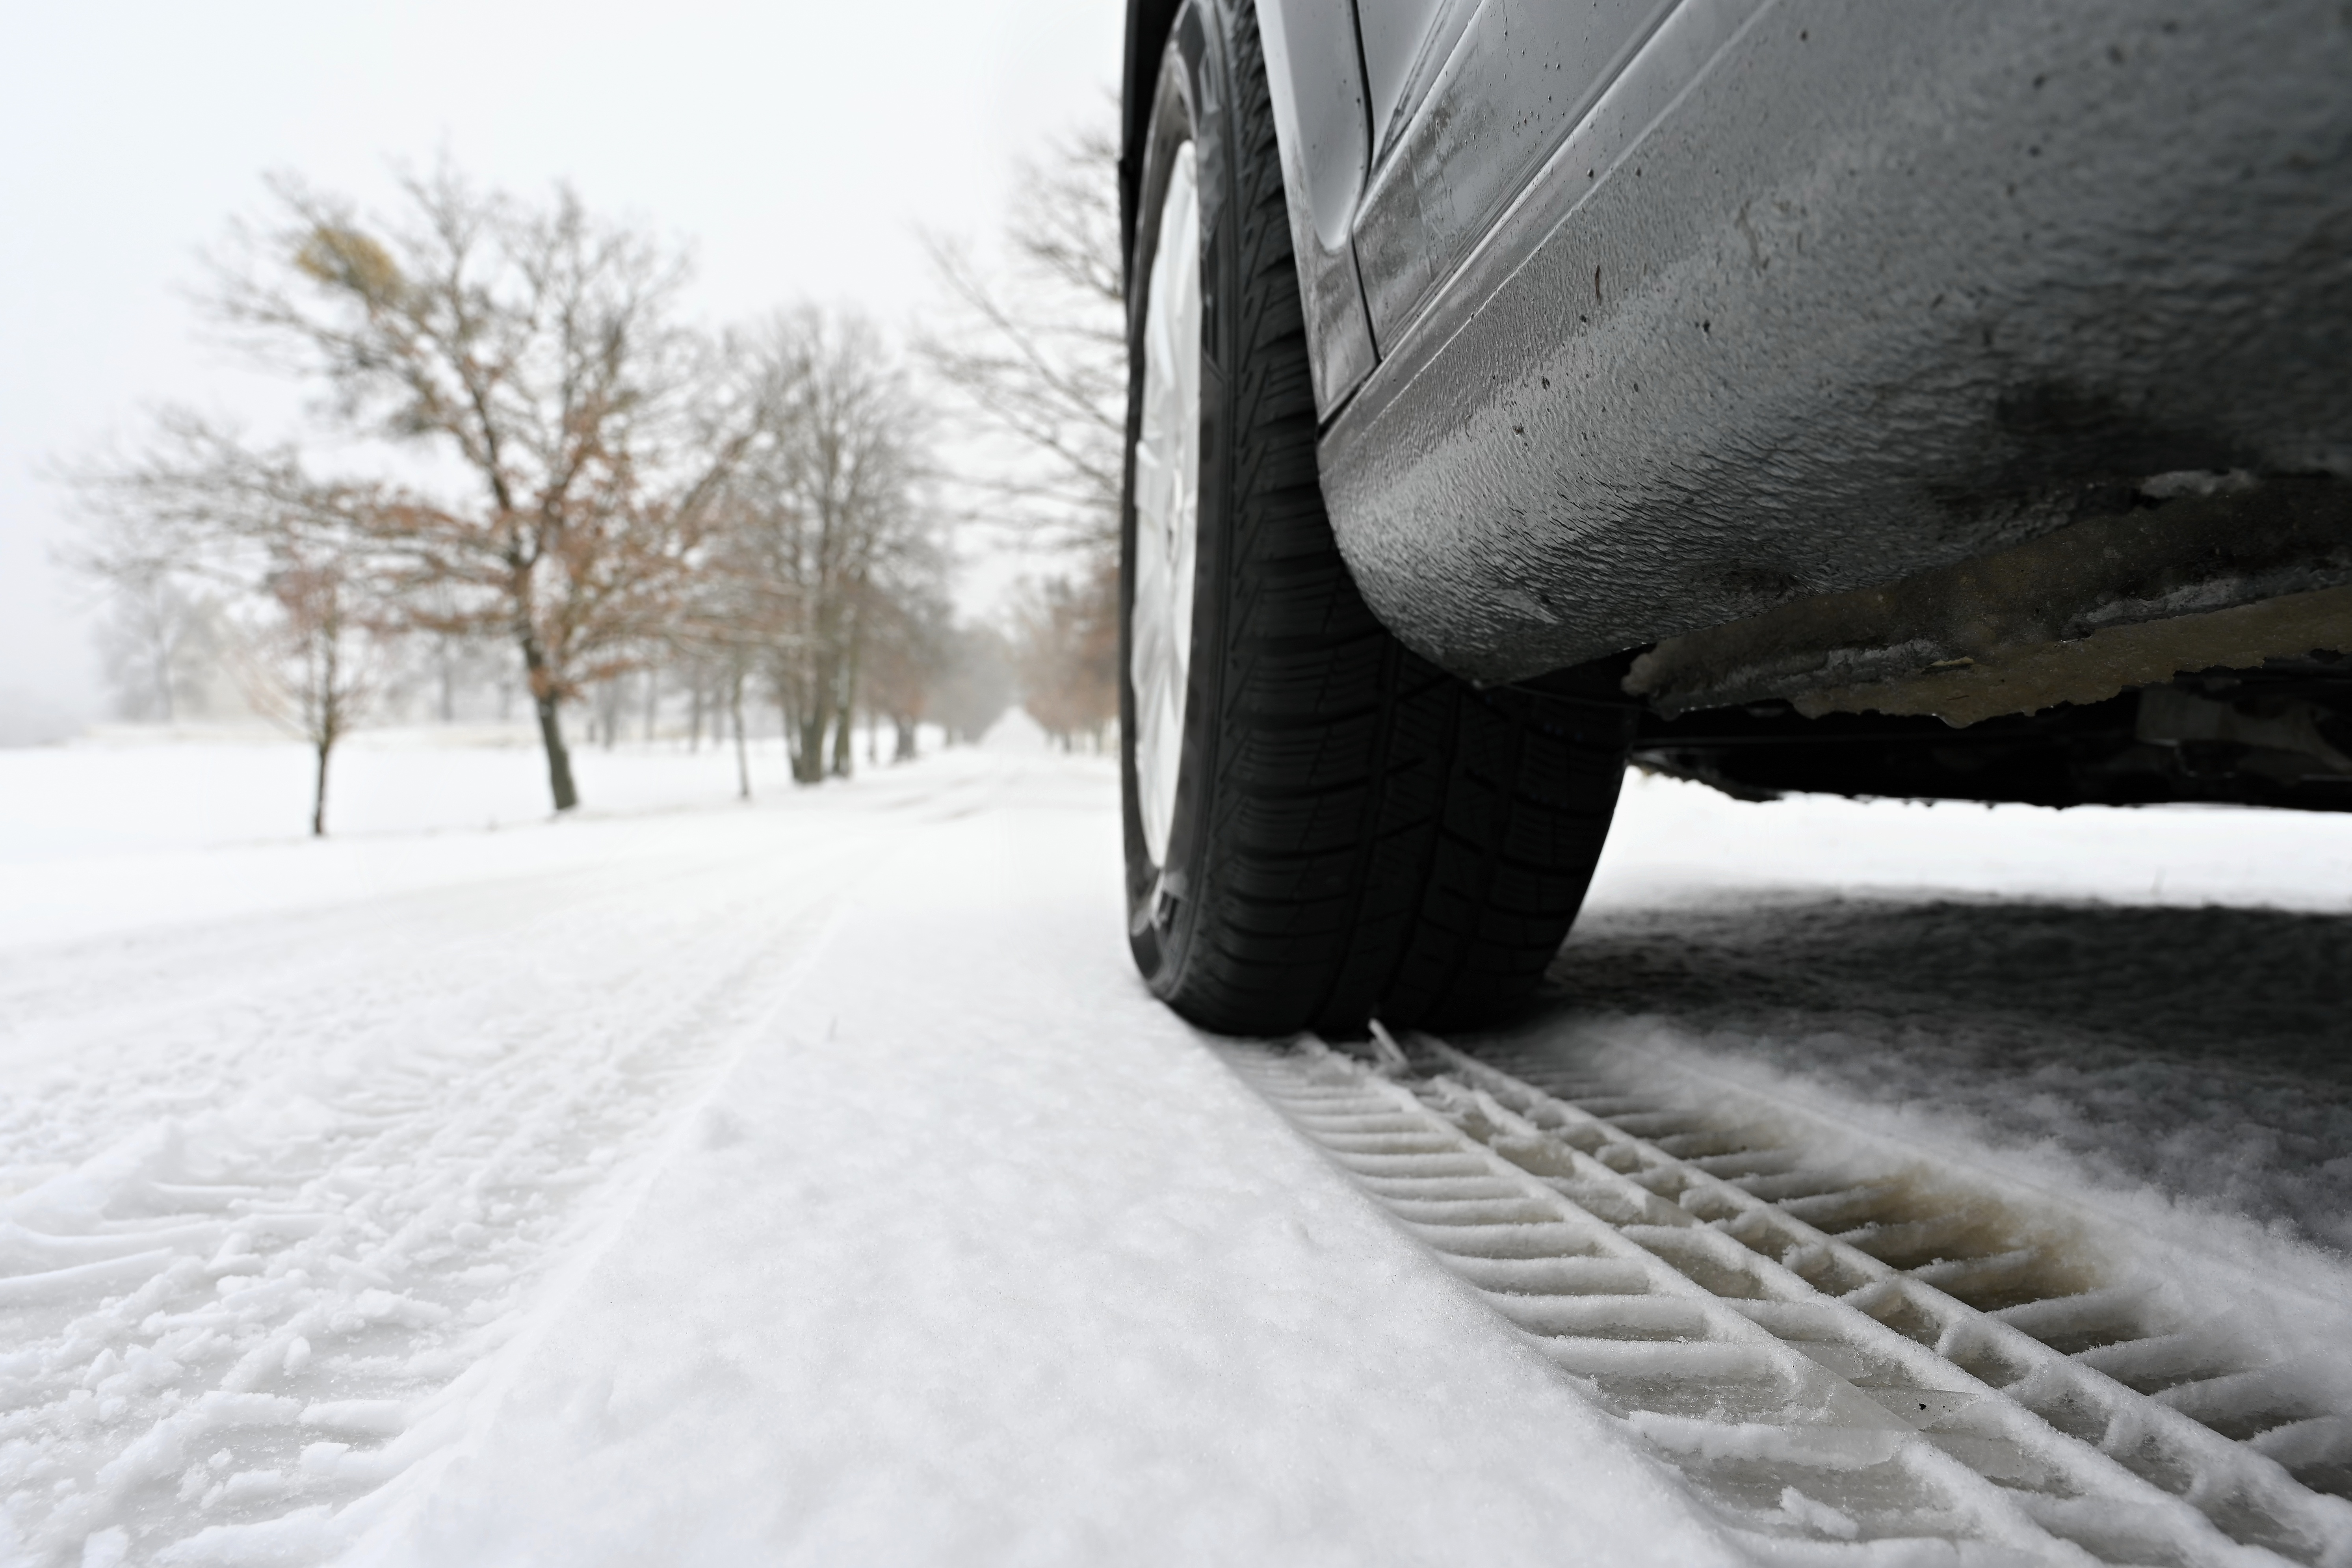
(1065, 642)
(533, 351)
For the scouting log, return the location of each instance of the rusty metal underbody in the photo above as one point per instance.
(2211, 570)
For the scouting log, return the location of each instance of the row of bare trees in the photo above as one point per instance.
(514, 436)
(825, 559)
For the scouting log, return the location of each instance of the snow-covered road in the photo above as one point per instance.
(283, 1183)
(812, 1183)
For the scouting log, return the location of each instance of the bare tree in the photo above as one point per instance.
(534, 348)
(156, 639)
(283, 555)
(452, 663)
(909, 644)
(821, 510)
(1036, 351)
(731, 611)
(316, 661)
(606, 699)
(158, 643)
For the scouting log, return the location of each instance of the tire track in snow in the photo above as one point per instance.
(296, 1225)
(1846, 1363)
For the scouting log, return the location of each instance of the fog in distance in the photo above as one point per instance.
(800, 147)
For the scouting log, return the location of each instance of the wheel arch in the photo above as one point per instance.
(1323, 128)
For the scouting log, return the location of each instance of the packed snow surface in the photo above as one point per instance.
(810, 1180)
(2155, 1002)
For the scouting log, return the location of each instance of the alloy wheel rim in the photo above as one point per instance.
(1167, 505)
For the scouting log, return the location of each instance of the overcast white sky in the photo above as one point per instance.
(799, 145)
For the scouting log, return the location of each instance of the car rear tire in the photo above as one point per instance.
(1322, 827)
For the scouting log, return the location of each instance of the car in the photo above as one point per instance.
(1947, 399)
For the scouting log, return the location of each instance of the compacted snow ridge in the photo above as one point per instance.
(1834, 1342)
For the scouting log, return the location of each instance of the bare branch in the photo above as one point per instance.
(1037, 354)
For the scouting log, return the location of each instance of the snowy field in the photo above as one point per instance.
(810, 1181)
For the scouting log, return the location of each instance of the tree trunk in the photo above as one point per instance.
(845, 731)
(813, 724)
(906, 752)
(550, 723)
(319, 791)
(742, 757)
(611, 695)
(808, 756)
(558, 758)
(163, 681)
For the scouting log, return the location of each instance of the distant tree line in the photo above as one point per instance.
(516, 442)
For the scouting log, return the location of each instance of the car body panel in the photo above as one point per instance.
(1825, 293)
(1405, 43)
(1314, 78)
(1811, 296)
(1519, 75)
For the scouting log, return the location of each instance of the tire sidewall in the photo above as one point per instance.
(1164, 900)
